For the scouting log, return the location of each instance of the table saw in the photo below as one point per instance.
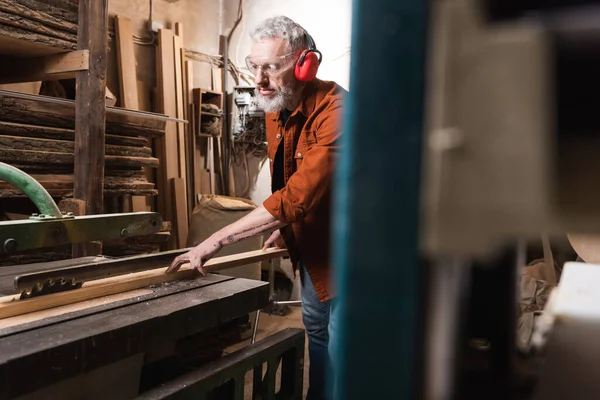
(92, 327)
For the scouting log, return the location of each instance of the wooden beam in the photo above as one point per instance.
(45, 132)
(11, 305)
(45, 8)
(167, 146)
(126, 60)
(60, 113)
(21, 22)
(180, 184)
(41, 16)
(90, 116)
(181, 216)
(64, 146)
(192, 172)
(55, 66)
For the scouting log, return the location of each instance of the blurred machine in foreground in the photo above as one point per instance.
(510, 161)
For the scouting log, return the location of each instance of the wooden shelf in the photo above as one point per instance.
(63, 65)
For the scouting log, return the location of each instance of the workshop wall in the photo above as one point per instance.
(332, 36)
(201, 19)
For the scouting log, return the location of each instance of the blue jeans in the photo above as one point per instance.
(320, 321)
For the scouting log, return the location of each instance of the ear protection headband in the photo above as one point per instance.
(308, 63)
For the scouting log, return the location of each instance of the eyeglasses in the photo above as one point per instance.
(271, 66)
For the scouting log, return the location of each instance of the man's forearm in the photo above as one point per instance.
(257, 222)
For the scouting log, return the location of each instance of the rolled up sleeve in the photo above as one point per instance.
(307, 187)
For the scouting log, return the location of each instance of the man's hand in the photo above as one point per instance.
(256, 222)
(197, 257)
(274, 238)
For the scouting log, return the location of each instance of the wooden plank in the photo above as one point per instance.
(217, 79)
(192, 172)
(126, 62)
(180, 211)
(62, 193)
(52, 67)
(46, 132)
(57, 181)
(182, 214)
(58, 11)
(41, 168)
(70, 6)
(42, 16)
(11, 306)
(144, 96)
(167, 146)
(60, 113)
(177, 46)
(68, 186)
(47, 157)
(62, 146)
(24, 23)
(31, 43)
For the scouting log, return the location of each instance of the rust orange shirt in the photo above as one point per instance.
(310, 138)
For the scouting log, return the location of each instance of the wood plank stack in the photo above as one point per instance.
(48, 23)
(37, 136)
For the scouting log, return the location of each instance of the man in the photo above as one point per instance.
(303, 121)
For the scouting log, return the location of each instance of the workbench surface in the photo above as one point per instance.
(37, 354)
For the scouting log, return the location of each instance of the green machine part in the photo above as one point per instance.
(32, 188)
(53, 228)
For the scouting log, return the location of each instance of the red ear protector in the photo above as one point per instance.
(308, 63)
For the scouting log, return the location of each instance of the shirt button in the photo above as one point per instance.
(299, 154)
(278, 136)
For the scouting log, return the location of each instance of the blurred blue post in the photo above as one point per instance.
(377, 204)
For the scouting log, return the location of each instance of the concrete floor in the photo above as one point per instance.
(269, 324)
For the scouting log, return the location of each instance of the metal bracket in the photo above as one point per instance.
(45, 231)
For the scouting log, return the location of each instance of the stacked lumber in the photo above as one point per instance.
(37, 135)
(50, 23)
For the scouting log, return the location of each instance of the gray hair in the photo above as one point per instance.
(282, 27)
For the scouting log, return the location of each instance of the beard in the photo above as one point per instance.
(277, 101)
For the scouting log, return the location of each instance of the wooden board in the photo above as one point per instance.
(180, 211)
(46, 132)
(181, 184)
(27, 24)
(20, 41)
(192, 172)
(55, 20)
(167, 146)
(68, 6)
(11, 306)
(63, 146)
(60, 113)
(126, 61)
(217, 79)
(177, 46)
(63, 181)
(47, 157)
(62, 11)
(62, 193)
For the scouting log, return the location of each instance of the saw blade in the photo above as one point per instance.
(96, 270)
(50, 286)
